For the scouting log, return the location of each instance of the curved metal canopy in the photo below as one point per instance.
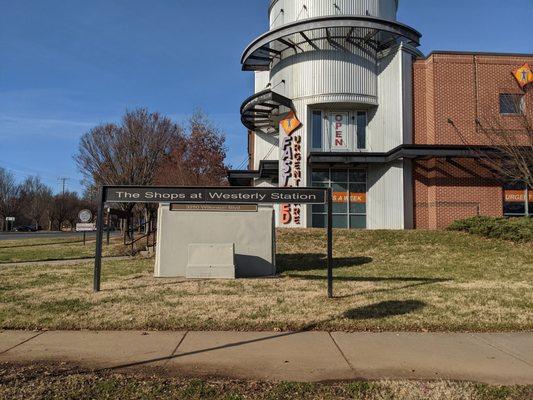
(259, 112)
(364, 32)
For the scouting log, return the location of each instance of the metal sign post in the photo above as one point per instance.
(330, 243)
(212, 196)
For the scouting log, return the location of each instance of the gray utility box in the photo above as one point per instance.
(211, 261)
(185, 231)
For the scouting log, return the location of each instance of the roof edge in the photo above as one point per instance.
(477, 53)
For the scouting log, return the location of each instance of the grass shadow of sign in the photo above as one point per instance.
(384, 309)
(312, 261)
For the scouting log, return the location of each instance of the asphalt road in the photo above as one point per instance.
(43, 235)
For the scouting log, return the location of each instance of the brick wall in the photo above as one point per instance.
(463, 88)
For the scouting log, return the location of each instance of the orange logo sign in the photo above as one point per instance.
(355, 198)
(290, 123)
(523, 75)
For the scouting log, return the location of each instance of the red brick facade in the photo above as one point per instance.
(463, 88)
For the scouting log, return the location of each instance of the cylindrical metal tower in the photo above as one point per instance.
(343, 68)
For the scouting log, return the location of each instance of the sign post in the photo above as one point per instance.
(99, 238)
(226, 196)
(330, 243)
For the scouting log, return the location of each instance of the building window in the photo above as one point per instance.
(511, 104)
(338, 130)
(361, 130)
(317, 129)
(518, 201)
(349, 198)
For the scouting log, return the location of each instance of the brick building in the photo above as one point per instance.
(464, 88)
(345, 100)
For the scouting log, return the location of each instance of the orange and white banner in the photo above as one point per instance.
(517, 196)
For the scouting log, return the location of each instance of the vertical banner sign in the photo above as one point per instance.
(339, 131)
(290, 167)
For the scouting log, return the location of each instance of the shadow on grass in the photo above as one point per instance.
(311, 261)
(384, 309)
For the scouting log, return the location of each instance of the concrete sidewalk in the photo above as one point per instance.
(505, 359)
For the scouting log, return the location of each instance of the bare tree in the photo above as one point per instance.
(35, 199)
(199, 160)
(65, 208)
(129, 153)
(509, 144)
(9, 192)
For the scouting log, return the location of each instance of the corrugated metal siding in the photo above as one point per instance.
(385, 197)
(262, 78)
(385, 125)
(266, 148)
(326, 72)
(293, 10)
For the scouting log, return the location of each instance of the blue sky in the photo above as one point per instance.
(67, 65)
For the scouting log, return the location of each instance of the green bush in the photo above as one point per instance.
(513, 229)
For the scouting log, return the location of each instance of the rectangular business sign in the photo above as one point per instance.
(339, 131)
(10, 219)
(85, 227)
(215, 207)
(121, 194)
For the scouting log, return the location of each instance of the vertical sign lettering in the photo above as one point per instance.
(339, 131)
(290, 167)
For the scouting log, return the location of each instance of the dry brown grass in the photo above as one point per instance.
(56, 382)
(410, 281)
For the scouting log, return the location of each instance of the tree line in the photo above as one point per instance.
(144, 148)
(33, 204)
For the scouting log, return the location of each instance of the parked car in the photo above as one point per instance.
(25, 228)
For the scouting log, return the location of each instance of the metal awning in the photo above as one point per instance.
(368, 33)
(406, 151)
(268, 169)
(260, 111)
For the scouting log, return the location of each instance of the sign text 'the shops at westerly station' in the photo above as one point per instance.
(214, 195)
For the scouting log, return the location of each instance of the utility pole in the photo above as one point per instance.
(64, 181)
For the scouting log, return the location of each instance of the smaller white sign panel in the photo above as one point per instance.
(10, 219)
(339, 131)
(85, 227)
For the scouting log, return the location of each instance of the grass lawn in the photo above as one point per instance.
(39, 382)
(385, 281)
(29, 250)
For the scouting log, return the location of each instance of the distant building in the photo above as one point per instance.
(344, 99)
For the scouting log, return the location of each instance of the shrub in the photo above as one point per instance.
(513, 229)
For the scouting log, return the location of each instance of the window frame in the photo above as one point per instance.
(353, 129)
(329, 184)
(527, 191)
(521, 104)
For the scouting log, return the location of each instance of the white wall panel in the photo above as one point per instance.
(262, 78)
(385, 197)
(266, 148)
